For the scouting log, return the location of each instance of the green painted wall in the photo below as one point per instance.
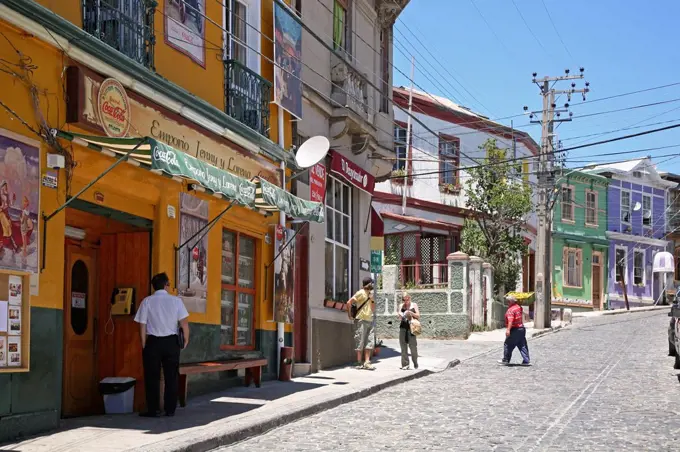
(576, 234)
(31, 402)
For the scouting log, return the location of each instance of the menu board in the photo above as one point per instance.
(11, 320)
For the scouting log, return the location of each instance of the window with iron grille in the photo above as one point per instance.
(125, 25)
(639, 267)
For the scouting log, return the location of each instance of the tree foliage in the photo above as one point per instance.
(502, 202)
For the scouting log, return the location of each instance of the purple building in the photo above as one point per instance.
(636, 229)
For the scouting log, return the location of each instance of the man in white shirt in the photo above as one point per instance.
(158, 317)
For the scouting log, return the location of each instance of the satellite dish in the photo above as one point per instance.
(647, 215)
(637, 206)
(312, 151)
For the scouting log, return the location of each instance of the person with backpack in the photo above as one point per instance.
(360, 308)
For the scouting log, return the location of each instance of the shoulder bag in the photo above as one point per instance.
(415, 327)
(354, 310)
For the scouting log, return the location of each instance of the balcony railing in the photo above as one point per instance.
(247, 96)
(349, 87)
(125, 25)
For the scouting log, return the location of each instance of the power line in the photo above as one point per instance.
(556, 32)
(529, 28)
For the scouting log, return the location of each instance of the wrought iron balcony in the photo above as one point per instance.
(247, 96)
(125, 25)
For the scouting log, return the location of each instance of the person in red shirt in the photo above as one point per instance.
(515, 333)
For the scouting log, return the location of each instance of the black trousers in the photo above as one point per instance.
(161, 351)
(517, 338)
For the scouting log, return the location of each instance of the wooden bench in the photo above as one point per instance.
(253, 369)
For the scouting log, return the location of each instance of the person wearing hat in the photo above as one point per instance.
(515, 333)
(364, 329)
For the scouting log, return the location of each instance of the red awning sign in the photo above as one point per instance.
(352, 172)
(317, 183)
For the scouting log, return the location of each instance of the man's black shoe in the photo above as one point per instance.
(170, 414)
(150, 414)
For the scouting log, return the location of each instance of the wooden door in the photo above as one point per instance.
(127, 264)
(596, 280)
(300, 319)
(80, 344)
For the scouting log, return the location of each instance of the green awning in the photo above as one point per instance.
(271, 198)
(163, 159)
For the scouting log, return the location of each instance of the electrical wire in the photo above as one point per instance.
(529, 28)
(556, 31)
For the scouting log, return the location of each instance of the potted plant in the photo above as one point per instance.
(449, 188)
(376, 348)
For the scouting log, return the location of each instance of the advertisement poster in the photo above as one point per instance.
(284, 275)
(288, 55)
(14, 316)
(193, 257)
(15, 290)
(3, 351)
(19, 202)
(185, 27)
(4, 320)
(317, 183)
(14, 351)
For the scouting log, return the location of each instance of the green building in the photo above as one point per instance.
(580, 244)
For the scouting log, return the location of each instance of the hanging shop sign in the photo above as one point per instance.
(288, 57)
(352, 172)
(113, 106)
(149, 119)
(317, 183)
(376, 261)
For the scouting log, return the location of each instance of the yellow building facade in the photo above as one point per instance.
(111, 226)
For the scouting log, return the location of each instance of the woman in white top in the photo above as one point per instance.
(407, 312)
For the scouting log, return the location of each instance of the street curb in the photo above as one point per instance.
(622, 311)
(230, 438)
(547, 331)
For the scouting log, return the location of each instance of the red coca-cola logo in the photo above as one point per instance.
(114, 108)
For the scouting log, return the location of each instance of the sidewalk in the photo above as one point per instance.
(238, 413)
(620, 311)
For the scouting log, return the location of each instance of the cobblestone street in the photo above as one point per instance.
(604, 383)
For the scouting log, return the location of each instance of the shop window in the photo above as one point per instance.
(338, 250)
(639, 267)
(238, 290)
(620, 263)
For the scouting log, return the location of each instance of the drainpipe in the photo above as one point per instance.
(282, 221)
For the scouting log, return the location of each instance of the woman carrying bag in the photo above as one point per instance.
(409, 328)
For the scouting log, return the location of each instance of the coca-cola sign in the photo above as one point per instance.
(114, 108)
(352, 172)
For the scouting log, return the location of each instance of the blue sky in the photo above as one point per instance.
(623, 45)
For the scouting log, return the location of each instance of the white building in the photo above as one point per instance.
(429, 229)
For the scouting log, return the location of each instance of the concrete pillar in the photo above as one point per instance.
(476, 304)
(487, 272)
(458, 263)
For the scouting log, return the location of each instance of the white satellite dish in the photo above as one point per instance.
(637, 206)
(312, 151)
(647, 215)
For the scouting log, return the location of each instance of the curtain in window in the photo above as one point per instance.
(338, 25)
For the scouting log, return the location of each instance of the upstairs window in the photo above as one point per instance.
(567, 202)
(647, 211)
(400, 147)
(449, 160)
(340, 28)
(239, 33)
(591, 208)
(625, 207)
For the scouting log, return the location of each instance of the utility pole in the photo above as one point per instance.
(408, 137)
(546, 182)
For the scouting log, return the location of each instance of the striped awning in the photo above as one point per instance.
(271, 198)
(160, 158)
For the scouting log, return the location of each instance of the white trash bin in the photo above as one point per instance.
(119, 394)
